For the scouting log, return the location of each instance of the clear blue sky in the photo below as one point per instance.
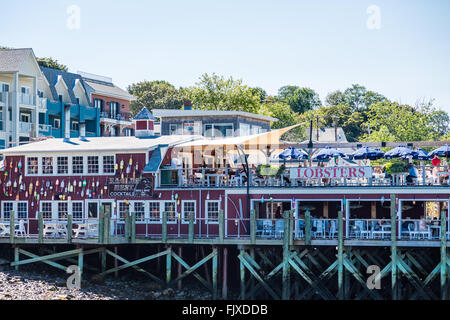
(325, 45)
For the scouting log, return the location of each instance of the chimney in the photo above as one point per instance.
(83, 131)
(187, 105)
(144, 124)
(66, 123)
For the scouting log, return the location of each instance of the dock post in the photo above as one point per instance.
(242, 273)
(16, 257)
(103, 256)
(225, 274)
(340, 255)
(164, 227)
(253, 226)
(191, 227)
(80, 262)
(394, 272)
(12, 227)
(214, 273)
(69, 228)
(307, 227)
(168, 265)
(101, 224)
(106, 228)
(133, 227)
(128, 226)
(40, 227)
(286, 277)
(443, 255)
(180, 254)
(116, 264)
(221, 227)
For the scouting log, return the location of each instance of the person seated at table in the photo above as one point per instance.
(412, 174)
(405, 225)
(422, 224)
(278, 213)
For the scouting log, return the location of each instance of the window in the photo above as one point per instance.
(77, 210)
(256, 129)
(32, 165)
(25, 117)
(47, 165)
(172, 129)
(212, 211)
(244, 129)
(191, 128)
(92, 164)
(56, 123)
(113, 108)
(124, 208)
(218, 130)
(25, 90)
(169, 209)
(22, 211)
(77, 100)
(77, 165)
(139, 209)
(63, 165)
(187, 208)
(154, 211)
(40, 94)
(46, 209)
(4, 87)
(60, 97)
(63, 210)
(98, 103)
(75, 126)
(7, 208)
(108, 164)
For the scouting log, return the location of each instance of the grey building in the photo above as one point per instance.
(211, 123)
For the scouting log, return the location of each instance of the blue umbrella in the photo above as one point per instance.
(292, 153)
(327, 153)
(421, 155)
(367, 153)
(443, 151)
(400, 152)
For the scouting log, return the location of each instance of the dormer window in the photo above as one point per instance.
(60, 97)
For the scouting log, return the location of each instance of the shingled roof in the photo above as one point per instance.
(144, 114)
(12, 59)
(69, 79)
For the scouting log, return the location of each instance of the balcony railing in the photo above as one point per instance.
(118, 117)
(45, 128)
(27, 99)
(25, 127)
(231, 177)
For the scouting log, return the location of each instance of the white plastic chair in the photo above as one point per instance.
(333, 229)
(319, 229)
(21, 228)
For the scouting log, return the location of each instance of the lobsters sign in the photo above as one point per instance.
(330, 172)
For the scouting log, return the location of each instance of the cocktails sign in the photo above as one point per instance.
(330, 172)
(130, 188)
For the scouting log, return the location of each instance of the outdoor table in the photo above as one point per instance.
(5, 229)
(55, 229)
(399, 178)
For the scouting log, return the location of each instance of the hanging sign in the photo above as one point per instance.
(330, 172)
(131, 188)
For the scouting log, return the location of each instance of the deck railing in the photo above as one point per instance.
(128, 228)
(231, 177)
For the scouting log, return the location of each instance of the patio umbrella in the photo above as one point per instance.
(400, 152)
(365, 153)
(328, 153)
(443, 151)
(292, 153)
(421, 155)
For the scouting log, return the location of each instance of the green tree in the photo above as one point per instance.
(357, 97)
(335, 98)
(214, 92)
(51, 63)
(299, 99)
(286, 117)
(155, 95)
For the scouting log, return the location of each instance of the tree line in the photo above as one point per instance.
(363, 114)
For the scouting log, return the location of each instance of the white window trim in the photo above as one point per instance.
(186, 221)
(163, 204)
(148, 213)
(207, 214)
(70, 166)
(213, 128)
(56, 120)
(55, 216)
(15, 207)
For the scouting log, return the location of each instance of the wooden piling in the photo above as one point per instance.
(180, 254)
(69, 228)
(116, 264)
(214, 273)
(12, 227)
(164, 227)
(169, 265)
(80, 262)
(444, 255)
(133, 227)
(394, 271)
(253, 226)
(340, 259)
(242, 275)
(16, 257)
(307, 227)
(225, 274)
(221, 227)
(40, 227)
(191, 227)
(286, 277)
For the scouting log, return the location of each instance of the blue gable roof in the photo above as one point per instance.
(144, 114)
